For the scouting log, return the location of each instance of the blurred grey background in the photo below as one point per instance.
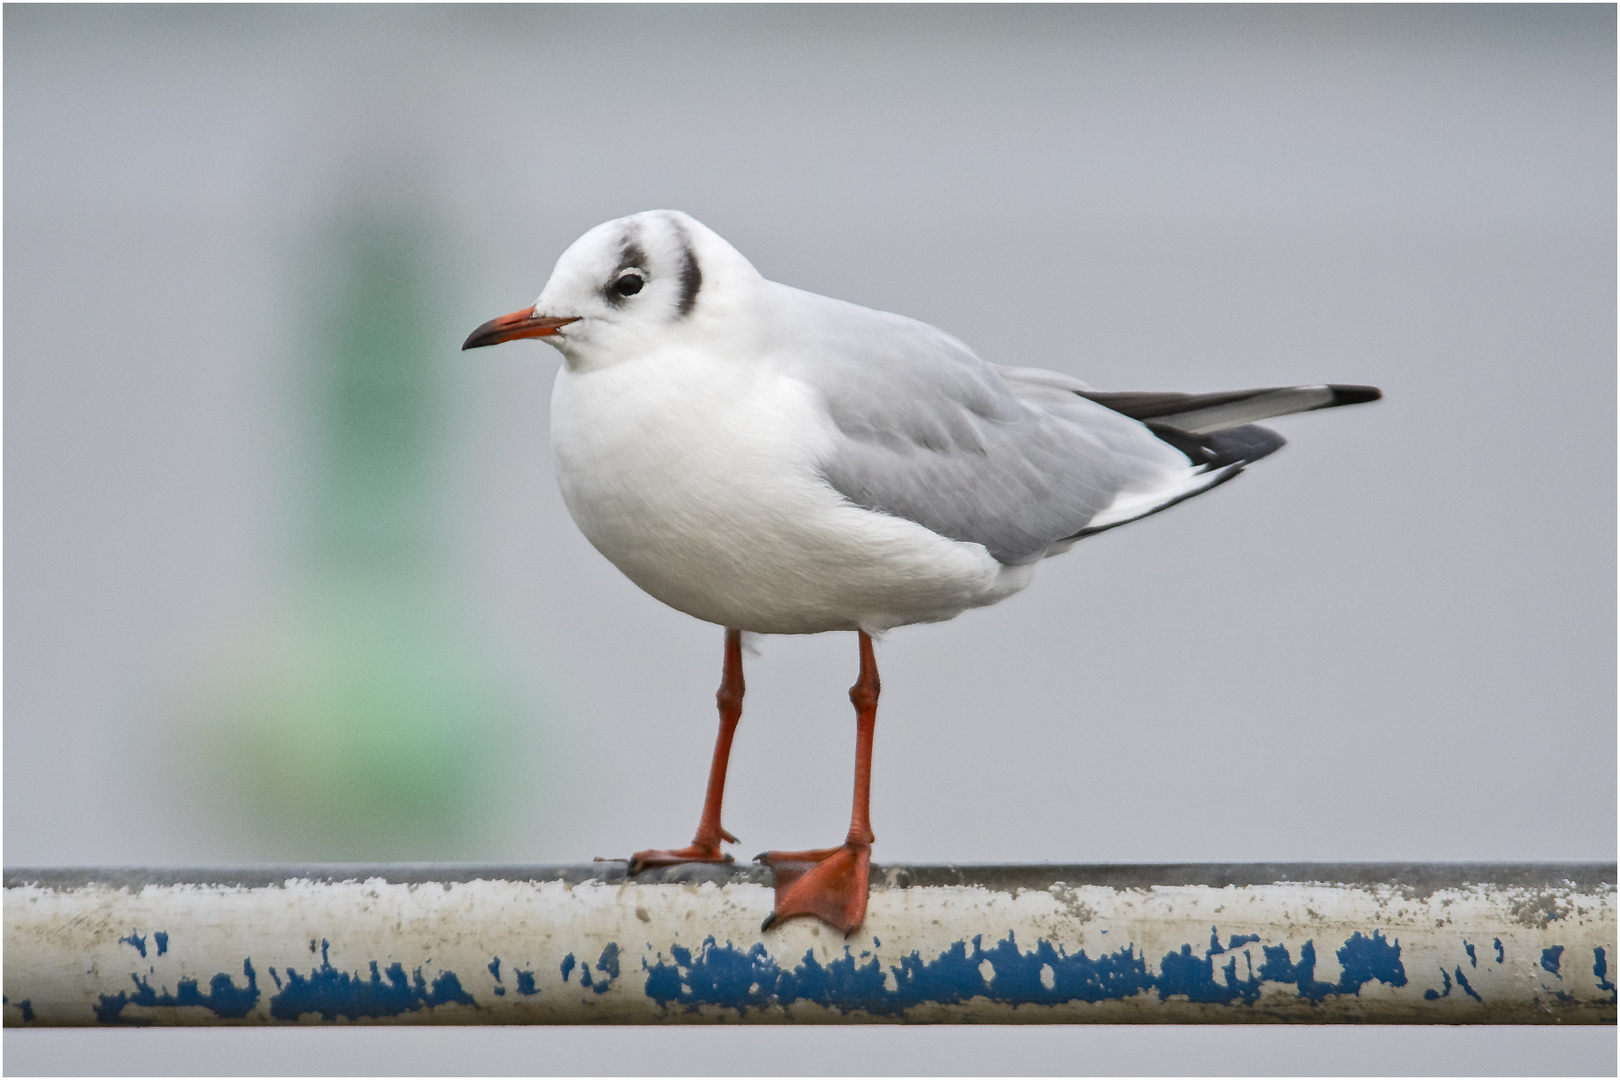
(288, 577)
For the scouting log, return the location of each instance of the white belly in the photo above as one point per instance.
(697, 479)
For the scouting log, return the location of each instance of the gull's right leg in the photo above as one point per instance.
(831, 883)
(705, 846)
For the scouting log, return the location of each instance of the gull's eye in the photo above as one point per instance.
(629, 283)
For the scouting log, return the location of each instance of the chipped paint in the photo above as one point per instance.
(331, 993)
(1310, 944)
(224, 999)
(1600, 969)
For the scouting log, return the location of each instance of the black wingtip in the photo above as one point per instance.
(1217, 449)
(1354, 395)
(770, 921)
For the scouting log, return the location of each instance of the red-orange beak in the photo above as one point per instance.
(519, 324)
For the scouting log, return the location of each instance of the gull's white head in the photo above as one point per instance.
(629, 286)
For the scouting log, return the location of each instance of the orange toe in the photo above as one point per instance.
(699, 853)
(829, 884)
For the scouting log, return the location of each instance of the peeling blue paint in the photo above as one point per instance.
(1600, 968)
(1232, 942)
(136, 940)
(1279, 968)
(1501, 953)
(721, 975)
(585, 975)
(1446, 976)
(1192, 975)
(1462, 981)
(1473, 961)
(495, 968)
(333, 993)
(224, 997)
(607, 964)
(1361, 960)
(567, 966)
(1364, 959)
(1017, 975)
(1434, 995)
(525, 982)
(725, 975)
(1551, 957)
(728, 976)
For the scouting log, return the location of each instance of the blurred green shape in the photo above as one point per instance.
(375, 400)
(366, 723)
(360, 728)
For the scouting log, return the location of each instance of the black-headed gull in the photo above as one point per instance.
(779, 462)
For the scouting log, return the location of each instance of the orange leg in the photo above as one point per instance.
(705, 846)
(831, 883)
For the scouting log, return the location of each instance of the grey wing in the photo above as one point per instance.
(929, 432)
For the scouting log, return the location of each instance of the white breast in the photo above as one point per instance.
(697, 479)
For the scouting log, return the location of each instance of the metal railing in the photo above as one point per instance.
(1254, 943)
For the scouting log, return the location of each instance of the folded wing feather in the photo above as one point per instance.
(1020, 460)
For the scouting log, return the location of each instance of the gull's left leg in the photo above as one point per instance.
(831, 883)
(705, 846)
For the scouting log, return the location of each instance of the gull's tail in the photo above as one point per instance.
(1217, 433)
(1216, 429)
(1197, 414)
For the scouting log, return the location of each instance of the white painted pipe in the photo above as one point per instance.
(1299, 943)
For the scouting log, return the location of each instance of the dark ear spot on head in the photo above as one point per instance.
(691, 281)
(691, 274)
